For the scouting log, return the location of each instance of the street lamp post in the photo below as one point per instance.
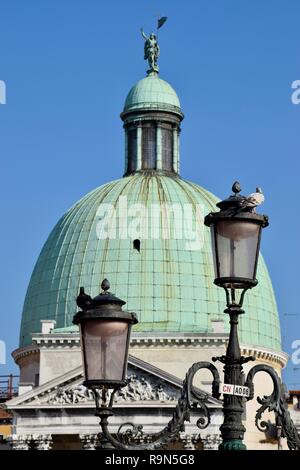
(105, 336)
(235, 233)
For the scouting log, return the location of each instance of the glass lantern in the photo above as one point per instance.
(105, 336)
(235, 235)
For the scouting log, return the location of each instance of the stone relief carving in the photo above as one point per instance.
(211, 441)
(70, 395)
(89, 441)
(141, 387)
(30, 442)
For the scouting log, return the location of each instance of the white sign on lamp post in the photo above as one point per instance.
(231, 389)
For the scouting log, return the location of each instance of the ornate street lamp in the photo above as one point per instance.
(235, 233)
(105, 336)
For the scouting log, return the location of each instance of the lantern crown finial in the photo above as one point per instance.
(236, 187)
(105, 285)
(86, 302)
(237, 204)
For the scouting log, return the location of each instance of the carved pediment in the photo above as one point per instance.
(141, 387)
(147, 385)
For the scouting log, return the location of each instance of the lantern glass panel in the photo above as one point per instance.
(236, 248)
(105, 349)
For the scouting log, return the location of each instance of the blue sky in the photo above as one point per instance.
(68, 65)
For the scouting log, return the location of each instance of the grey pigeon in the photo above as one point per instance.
(84, 301)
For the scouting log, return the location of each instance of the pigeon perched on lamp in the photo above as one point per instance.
(238, 203)
(83, 300)
(253, 200)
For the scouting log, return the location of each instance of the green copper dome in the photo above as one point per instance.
(152, 93)
(167, 282)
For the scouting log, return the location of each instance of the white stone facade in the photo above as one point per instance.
(53, 405)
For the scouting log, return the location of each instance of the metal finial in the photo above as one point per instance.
(105, 285)
(236, 187)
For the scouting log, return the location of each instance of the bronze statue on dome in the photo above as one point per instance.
(151, 52)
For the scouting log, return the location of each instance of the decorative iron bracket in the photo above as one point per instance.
(190, 398)
(275, 402)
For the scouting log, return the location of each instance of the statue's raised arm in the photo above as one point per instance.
(143, 34)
